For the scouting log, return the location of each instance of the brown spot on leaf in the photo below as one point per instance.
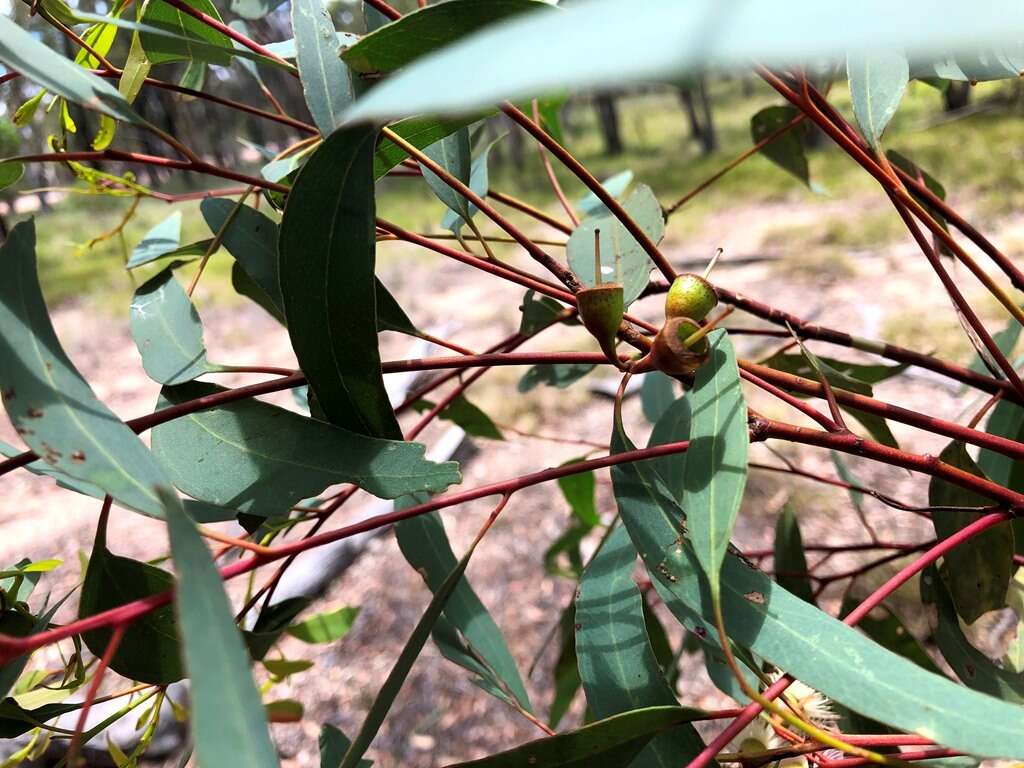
(78, 456)
(7, 394)
(34, 413)
(755, 597)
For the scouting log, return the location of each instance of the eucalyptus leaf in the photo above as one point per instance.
(327, 257)
(325, 627)
(229, 724)
(616, 186)
(657, 393)
(161, 49)
(716, 462)
(616, 661)
(261, 459)
(623, 260)
(167, 331)
(326, 82)
(560, 375)
(790, 562)
(25, 53)
(786, 151)
(453, 154)
(50, 405)
(161, 240)
(980, 568)
(592, 44)
(878, 80)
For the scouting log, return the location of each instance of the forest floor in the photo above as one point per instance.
(884, 291)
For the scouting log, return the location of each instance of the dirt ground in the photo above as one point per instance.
(440, 716)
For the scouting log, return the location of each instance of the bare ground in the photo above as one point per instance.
(440, 716)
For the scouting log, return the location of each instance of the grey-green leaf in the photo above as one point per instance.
(167, 331)
(161, 49)
(425, 545)
(22, 51)
(623, 260)
(453, 154)
(161, 240)
(616, 662)
(51, 405)
(150, 651)
(327, 258)
(878, 80)
(613, 741)
(261, 459)
(657, 393)
(716, 462)
(790, 562)
(787, 150)
(797, 637)
(616, 186)
(979, 569)
(592, 44)
(229, 725)
(326, 82)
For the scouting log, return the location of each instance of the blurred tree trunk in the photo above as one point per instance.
(608, 120)
(957, 96)
(697, 105)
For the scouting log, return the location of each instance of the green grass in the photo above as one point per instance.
(974, 156)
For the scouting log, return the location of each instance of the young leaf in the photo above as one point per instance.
(327, 257)
(25, 53)
(622, 258)
(167, 331)
(790, 562)
(616, 662)
(10, 173)
(578, 490)
(261, 459)
(161, 49)
(786, 151)
(980, 568)
(149, 651)
(272, 622)
(325, 627)
(161, 240)
(716, 462)
(425, 545)
(229, 724)
(614, 741)
(50, 404)
(428, 29)
(877, 82)
(785, 631)
(326, 82)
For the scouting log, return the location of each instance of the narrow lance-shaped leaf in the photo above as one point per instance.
(592, 44)
(393, 684)
(479, 183)
(424, 543)
(616, 662)
(23, 52)
(790, 562)
(978, 570)
(50, 404)
(877, 82)
(167, 331)
(326, 82)
(612, 741)
(229, 725)
(716, 462)
(815, 648)
(327, 257)
(261, 459)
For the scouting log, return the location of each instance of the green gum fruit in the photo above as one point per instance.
(601, 309)
(690, 296)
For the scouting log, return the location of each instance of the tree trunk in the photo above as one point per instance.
(608, 120)
(957, 96)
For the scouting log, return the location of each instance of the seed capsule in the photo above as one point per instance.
(601, 309)
(690, 296)
(670, 354)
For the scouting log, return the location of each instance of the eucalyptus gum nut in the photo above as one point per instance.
(601, 309)
(669, 354)
(692, 296)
